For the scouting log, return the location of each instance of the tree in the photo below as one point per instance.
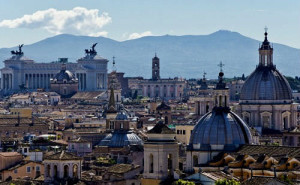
(227, 182)
(183, 182)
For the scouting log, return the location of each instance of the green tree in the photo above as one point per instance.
(286, 179)
(227, 182)
(183, 182)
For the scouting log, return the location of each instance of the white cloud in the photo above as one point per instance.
(79, 21)
(139, 35)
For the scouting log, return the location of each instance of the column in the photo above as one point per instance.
(168, 91)
(29, 81)
(175, 93)
(84, 81)
(7, 81)
(98, 81)
(2, 82)
(81, 81)
(33, 81)
(11, 81)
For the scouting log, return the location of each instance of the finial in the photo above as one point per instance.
(114, 64)
(221, 65)
(204, 74)
(266, 29)
(266, 32)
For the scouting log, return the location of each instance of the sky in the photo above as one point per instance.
(28, 21)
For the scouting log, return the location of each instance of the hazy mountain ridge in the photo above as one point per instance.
(185, 56)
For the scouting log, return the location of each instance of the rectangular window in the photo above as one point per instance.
(37, 168)
(15, 171)
(183, 132)
(177, 131)
(28, 169)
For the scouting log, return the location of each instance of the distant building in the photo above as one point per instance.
(157, 87)
(30, 169)
(20, 72)
(161, 155)
(202, 98)
(64, 83)
(235, 88)
(62, 165)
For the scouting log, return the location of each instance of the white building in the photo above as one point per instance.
(21, 72)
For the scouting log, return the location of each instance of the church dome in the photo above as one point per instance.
(119, 139)
(266, 83)
(64, 75)
(220, 129)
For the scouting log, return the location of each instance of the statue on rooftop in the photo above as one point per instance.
(92, 51)
(18, 53)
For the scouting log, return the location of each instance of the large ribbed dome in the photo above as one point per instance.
(266, 83)
(220, 129)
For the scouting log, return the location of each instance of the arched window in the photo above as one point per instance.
(151, 163)
(207, 108)
(166, 120)
(55, 171)
(66, 171)
(170, 162)
(285, 123)
(75, 171)
(48, 170)
(195, 160)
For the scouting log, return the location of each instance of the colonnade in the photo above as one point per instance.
(81, 81)
(35, 81)
(7, 81)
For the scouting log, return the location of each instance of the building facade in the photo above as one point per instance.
(156, 87)
(21, 72)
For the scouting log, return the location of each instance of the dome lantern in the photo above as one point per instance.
(266, 53)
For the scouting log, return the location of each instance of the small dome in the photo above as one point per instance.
(121, 116)
(266, 83)
(220, 129)
(119, 139)
(64, 75)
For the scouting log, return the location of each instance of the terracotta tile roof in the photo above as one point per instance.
(272, 151)
(10, 154)
(121, 168)
(262, 181)
(63, 156)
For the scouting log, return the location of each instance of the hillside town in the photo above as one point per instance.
(81, 123)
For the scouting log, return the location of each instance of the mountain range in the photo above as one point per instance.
(185, 56)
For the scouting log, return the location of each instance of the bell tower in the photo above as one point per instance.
(221, 92)
(155, 68)
(266, 52)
